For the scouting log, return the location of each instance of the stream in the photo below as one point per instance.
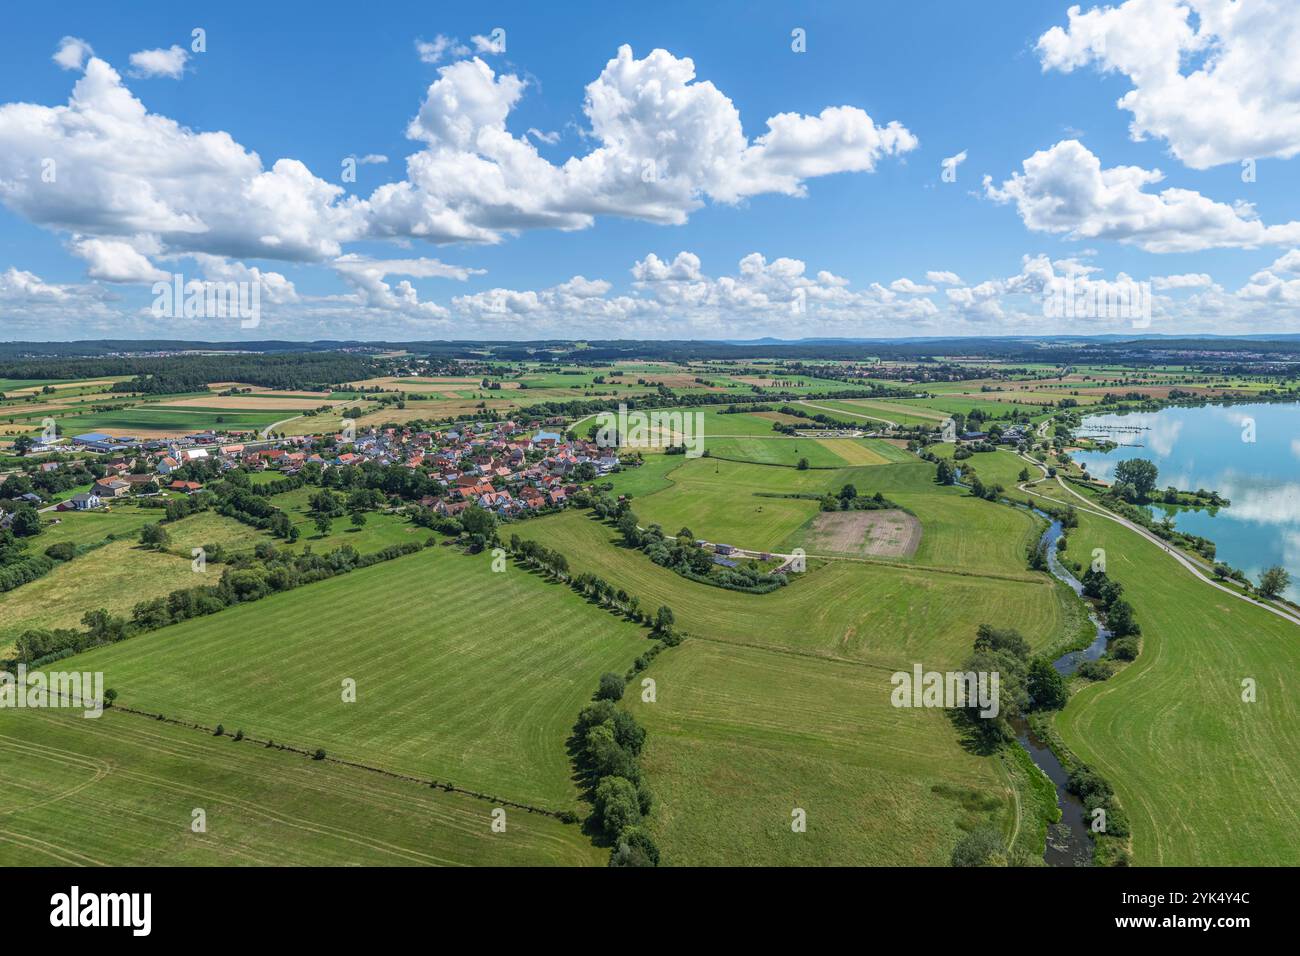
(1068, 843)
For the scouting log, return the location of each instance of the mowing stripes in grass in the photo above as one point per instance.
(462, 674)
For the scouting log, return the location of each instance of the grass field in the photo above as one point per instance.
(122, 518)
(121, 790)
(716, 500)
(154, 419)
(873, 612)
(115, 577)
(993, 467)
(1205, 778)
(877, 410)
(654, 475)
(463, 675)
(740, 737)
(777, 451)
(380, 530)
(208, 527)
(959, 531)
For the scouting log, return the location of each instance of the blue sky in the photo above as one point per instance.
(488, 242)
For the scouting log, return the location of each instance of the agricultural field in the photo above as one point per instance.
(872, 412)
(773, 702)
(114, 576)
(740, 737)
(1196, 769)
(873, 612)
(719, 500)
(484, 698)
(886, 533)
(157, 420)
(262, 806)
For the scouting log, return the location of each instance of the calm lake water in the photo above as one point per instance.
(1208, 448)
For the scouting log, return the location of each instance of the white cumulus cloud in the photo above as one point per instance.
(1218, 80)
(169, 62)
(1065, 190)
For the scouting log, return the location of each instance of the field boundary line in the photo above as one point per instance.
(426, 782)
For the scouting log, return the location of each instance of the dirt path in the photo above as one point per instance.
(836, 411)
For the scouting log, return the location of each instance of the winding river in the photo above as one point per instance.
(1068, 843)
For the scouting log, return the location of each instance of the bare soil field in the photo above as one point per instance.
(252, 403)
(80, 383)
(261, 390)
(871, 534)
(413, 384)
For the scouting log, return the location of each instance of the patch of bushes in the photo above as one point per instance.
(63, 551)
(609, 743)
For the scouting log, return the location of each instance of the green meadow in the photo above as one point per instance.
(152, 418)
(115, 577)
(462, 674)
(875, 612)
(122, 790)
(740, 738)
(865, 412)
(1204, 776)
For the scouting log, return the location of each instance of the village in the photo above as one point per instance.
(508, 468)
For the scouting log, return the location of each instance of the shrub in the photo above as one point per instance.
(611, 687)
(616, 803)
(1096, 670)
(981, 847)
(63, 551)
(634, 848)
(1124, 649)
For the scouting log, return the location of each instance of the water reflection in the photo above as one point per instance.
(1204, 448)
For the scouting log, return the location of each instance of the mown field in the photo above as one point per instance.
(868, 410)
(776, 450)
(726, 501)
(153, 419)
(873, 612)
(1205, 778)
(121, 790)
(717, 500)
(462, 674)
(741, 737)
(654, 475)
(780, 701)
(959, 531)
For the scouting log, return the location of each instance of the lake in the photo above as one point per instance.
(1249, 453)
